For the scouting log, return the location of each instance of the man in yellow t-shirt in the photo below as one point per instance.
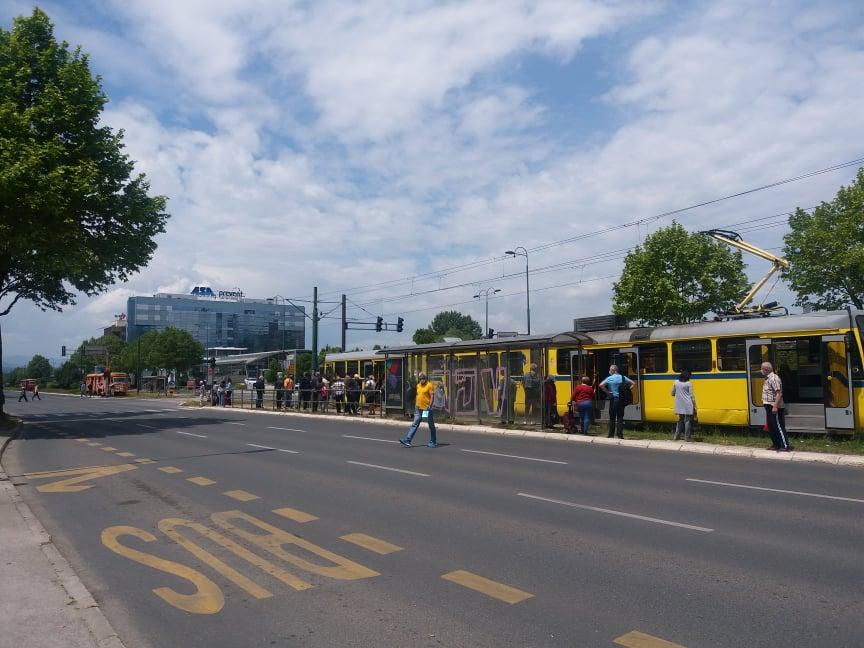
(422, 410)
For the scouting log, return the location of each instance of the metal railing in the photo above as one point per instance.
(366, 402)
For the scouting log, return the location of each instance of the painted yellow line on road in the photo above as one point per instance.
(144, 460)
(201, 481)
(486, 586)
(636, 639)
(372, 544)
(125, 454)
(108, 449)
(294, 514)
(170, 470)
(74, 478)
(241, 495)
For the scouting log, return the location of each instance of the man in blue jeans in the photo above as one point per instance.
(612, 387)
(422, 411)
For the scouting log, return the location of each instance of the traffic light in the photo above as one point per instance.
(63, 351)
(211, 362)
(491, 333)
(400, 324)
(379, 324)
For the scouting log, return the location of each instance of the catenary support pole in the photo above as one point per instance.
(315, 329)
(344, 324)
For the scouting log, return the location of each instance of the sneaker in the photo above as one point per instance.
(405, 443)
(431, 445)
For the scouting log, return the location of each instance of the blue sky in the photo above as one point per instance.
(343, 144)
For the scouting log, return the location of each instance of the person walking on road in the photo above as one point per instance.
(685, 406)
(36, 393)
(612, 385)
(81, 389)
(23, 394)
(772, 401)
(583, 397)
(422, 412)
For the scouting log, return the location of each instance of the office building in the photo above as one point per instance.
(220, 319)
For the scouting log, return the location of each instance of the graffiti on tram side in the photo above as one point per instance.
(475, 392)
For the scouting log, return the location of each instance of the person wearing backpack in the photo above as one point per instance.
(614, 386)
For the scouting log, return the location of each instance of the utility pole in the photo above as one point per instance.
(315, 329)
(138, 368)
(344, 323)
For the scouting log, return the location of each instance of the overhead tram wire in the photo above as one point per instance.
(481, 262)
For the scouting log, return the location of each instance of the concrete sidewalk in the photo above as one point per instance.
(653, 444)
(43, 603)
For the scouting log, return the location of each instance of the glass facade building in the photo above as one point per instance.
(255, 324)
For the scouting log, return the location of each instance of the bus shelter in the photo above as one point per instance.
(484, 380)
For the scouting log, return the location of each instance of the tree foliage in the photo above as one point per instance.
(677, 277)
(448, 324)
(825, 251)
(40, 368)
(73, 217)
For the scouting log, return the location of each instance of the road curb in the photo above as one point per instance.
(650, 444)
(80, 598)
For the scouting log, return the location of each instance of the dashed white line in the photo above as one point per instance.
(200, 436)
(351, 436)
(399, 470)
(263, 447)
(286, 429)
(509, 456)
(596, 509)
(233, 423)
(777, 490)
(149, 427)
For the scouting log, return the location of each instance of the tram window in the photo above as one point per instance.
(731, 355)
(562, 362)
(694, 355)
(653, 358)
(857, 367)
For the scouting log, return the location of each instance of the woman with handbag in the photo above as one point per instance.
(685, 406)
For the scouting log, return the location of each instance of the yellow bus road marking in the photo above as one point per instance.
(201, 481)
(294, 514)
(488, 587)
(636, 639)
(72, 483)
(144, 460)
(108, 449)
(372, 544)
(170, 470)
(125, 454)
(241, 495)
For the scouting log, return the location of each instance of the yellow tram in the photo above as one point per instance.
(817, 355)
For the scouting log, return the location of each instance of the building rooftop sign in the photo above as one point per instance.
(206, 291)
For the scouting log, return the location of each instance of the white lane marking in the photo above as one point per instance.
(200, 436)
(498, 454)
(286, 429)
(149, 427)
(399, 470)
(233, 423)
(156, 411)
(619, 513)
(263, 447)
(777, 490)
(351, 436)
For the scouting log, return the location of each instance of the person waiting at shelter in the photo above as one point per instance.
(613, 386)
(259, 391)
(229, 392)
(550, 402)
(685, 406)
(772, 401)
(305, 391)
(288, 385)
(337, 388)
(583, 399)
(280, 390)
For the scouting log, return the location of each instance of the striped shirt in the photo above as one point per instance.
(770, 388)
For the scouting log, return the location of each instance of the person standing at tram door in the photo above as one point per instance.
(772, 401)
(613, 385)
(583, 397)
(550, 402)
(685, 406)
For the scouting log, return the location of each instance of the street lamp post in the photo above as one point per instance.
(485, 292)
(514, 253)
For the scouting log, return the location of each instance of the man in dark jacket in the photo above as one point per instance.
(315, 387)
(305, 390)
(259, 392)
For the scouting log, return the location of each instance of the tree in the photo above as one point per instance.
(273, 369)
(39, 368)
(73, 217)
(175, 348)
(677, 277)
(448, 324)
(825, 251)
(323, 352)
(16, 376)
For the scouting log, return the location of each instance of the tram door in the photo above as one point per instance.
(627, 360)
(758, 351)
(836, 367)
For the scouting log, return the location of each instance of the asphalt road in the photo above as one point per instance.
(224, 528)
